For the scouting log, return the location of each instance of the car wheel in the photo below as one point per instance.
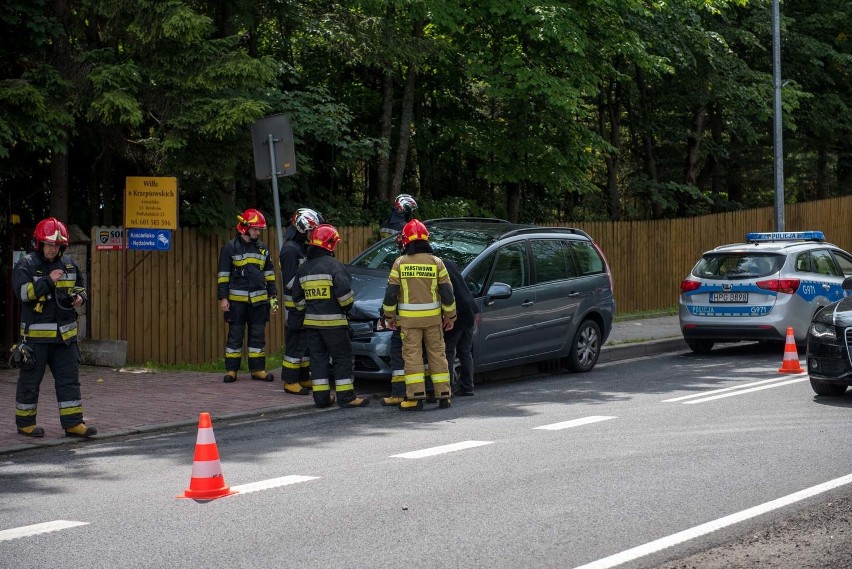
(586, 347)
(700, 346)
(827, 388)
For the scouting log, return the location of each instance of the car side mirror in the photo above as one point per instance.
(497, 291)
(847, 283)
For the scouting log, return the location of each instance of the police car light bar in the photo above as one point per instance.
(787, 236)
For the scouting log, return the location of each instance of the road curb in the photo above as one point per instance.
(641, 349)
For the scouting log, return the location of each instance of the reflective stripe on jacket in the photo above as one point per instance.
(419, 291)
(245, 273)
(323, 290)
(47, 314)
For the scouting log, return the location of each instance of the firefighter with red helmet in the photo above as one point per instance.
(295, 367)
(50, 287)
(419, 300)
(247, 293)
(323, 291)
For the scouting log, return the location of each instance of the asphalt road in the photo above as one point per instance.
(604, 469)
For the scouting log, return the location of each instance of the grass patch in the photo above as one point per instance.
(670, 311)
(273, 365)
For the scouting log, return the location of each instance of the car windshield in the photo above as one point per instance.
(737, 265)
(456, 244)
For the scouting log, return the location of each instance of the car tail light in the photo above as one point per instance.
(787, 286)
(688, 286)
(606, 265)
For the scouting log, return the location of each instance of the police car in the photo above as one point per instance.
(755, 290)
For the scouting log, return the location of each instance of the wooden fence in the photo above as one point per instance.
(172, 315)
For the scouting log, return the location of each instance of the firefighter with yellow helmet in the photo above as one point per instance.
(247, 293)
(419, 300)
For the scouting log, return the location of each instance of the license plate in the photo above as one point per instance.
(729, 297)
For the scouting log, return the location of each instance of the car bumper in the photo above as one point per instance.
(772, 326)
(371, 356)
(829, 361)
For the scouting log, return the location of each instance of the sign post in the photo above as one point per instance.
(267, 134)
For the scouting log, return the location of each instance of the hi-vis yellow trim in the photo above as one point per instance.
(317, 290)
(71, 411)
(412, 271)
(309, 322)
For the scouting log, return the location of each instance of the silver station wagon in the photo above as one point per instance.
(757, 289)
(543, 293)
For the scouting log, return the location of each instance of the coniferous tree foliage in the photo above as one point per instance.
(574, 110)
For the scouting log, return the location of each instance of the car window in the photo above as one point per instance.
(823, 263)
(380, 256)
(737, 265)
(586, 257)
(552, 260)
(803, 262)
(477, 276)
(511, 266)
(844, 262)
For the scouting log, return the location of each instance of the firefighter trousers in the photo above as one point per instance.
(64, 363)
(296, 365)
(413, 342)
(255, 316)
(333, 344)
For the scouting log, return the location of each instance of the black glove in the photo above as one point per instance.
(22, 356)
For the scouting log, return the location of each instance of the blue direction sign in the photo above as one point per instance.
(149, 239)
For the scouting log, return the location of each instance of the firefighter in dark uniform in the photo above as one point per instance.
(323, 291)
(247, 292)
(295, 367)
(419, 300)
(49, 287)
(402, 212)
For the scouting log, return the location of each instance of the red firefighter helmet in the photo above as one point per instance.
(248, 219)
(414, 230)
(325, 236)
(51, 231)
(305, 219)
(404, 203)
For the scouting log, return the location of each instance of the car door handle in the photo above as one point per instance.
(574, 293)
(528, 303)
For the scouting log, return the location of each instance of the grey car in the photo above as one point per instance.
(543, 293)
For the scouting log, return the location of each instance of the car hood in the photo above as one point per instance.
(369, 286)
(837, 314)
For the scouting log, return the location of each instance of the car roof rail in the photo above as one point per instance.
(556, 230)
(467, 219)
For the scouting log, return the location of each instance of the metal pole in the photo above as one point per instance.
(779, 149)
(274, 172)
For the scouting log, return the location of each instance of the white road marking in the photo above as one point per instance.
(706, 393)
(574, 423)
(741, 391)
(271, 483)
(36, 529)
(709, 527)
(442, 449)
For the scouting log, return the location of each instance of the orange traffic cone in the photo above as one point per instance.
(790, 364)
(207, 482)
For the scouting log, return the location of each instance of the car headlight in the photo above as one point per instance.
(820, 330)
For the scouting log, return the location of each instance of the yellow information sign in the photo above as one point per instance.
(151, 203)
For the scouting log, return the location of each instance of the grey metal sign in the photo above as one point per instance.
(277, 129)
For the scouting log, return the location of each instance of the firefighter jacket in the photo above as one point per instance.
(246, 273)
(323, 290)
(394, 223)
(293, 254)
(47, 314)
(419, 292)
